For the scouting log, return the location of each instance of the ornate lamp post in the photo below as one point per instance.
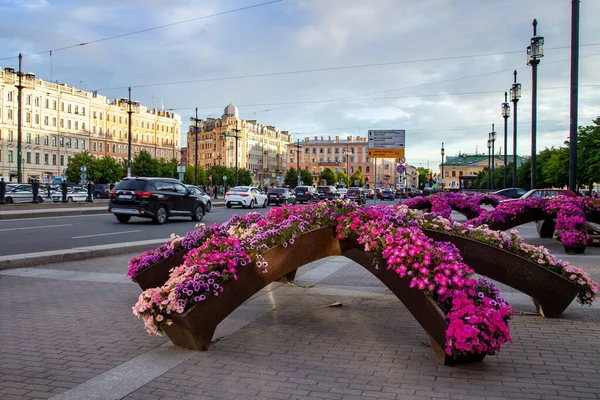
(505, 114)
(489, 146)
(443, 152)
(493, 139)
(534, 53)
(195, 120)
(515, 95)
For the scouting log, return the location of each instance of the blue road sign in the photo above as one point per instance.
(400, 169)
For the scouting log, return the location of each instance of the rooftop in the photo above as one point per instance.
(470, 159)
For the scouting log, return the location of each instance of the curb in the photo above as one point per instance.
(76, 254)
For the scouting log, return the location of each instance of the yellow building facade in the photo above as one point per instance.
(59, 121)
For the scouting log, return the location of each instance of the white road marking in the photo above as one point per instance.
(58, 216)
(104, 234)
(33, 227)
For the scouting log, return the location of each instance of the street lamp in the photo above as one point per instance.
(236, 136)
(534, 53)
(505, 114)
(515, 95)
(443, 151)
(493, 139)
(346, 153)
(489, 146)
(195, 120)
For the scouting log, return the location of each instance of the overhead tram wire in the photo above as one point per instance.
(311, 70)
(147, 29)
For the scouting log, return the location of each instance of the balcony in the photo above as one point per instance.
(327, 163)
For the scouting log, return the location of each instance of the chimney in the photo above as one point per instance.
(337, 138)
(329, 137)
(316, 138)
(349, 138)
(321, 137)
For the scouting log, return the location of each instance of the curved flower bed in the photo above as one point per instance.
(443, 203)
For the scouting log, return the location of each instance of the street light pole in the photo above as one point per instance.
(297, 146)
(196, 149)
(493, 139)
(534, 52)
(236, 136)
(129, 112)
(515, 95)
(347, 164)
(20, 121)
(574, 94)
(505, 115)
(489, 146)
(443, 151)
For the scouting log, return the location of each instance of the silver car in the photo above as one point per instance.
(20, 193)
(73, 195)
(196, 191)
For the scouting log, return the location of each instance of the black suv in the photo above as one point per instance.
(305, 194)
(156, 198)
(101, 191)
(328, 192)
(357, 195)
(280, 196)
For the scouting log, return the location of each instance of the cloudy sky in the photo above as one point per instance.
(420, 65)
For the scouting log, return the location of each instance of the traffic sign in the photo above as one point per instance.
(385, 153)
(273, 175)
(401, 160)
(83, 168)
(83, 176)
(386, 143)
(225, 178)
(400, 169)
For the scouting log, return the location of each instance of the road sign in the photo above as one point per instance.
(280, 180)
(224, 178)
(83, 168)
(386, 143)
(83, 176)
(401, 160)
(273, 175)
(181, 169)
(400, 169)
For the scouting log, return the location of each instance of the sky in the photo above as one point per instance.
(436, 68)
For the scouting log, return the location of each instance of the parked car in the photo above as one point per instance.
(280, 196)
(156, 198)
(245, 196)
(369, 193)
(378, 193)
(357, 195)
(513, 193)
(387, 194)
(543, 193)
(73, 194)
(342, 191)
(101, 191)
(196, 191)
(305, 193)
(21, 193)
(415, 193)
(328, 192)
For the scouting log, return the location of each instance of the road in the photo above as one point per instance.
(31, 235)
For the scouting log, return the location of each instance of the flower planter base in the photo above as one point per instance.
(575, 250)
(194, 329)
(530, 215)
(156, 275)
(553, 292)
(545, 228)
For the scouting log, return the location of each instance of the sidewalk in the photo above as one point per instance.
(68, 332)
(28, 210)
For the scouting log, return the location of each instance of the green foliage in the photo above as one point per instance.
(306, 177)
(357, 176)
(73, 172)
(218, 171)
(189, 176)
(342, 178)
(244, 177)
(328, 175)
(423, 172)
(291, 178)
(109, 170)
(588, 153)
(167, 169)
(144, 165)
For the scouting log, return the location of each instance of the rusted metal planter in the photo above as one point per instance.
(157, 274)
(545, 228)
(530, 215)
(593, 216)
(195, 328)
(551, 292)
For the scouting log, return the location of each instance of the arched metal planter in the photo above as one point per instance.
(530, 215)
(157, 274)
(426, 206)
(195, 328)
(551, 292)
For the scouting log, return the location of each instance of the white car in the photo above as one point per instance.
(73, 194)
(196, 191)
(342, 191)
(245, 196)
(21, 193)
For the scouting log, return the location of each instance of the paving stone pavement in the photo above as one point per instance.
(57, 335)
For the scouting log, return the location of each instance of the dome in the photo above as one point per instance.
(231, 111)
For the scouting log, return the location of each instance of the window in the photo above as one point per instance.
(447, 174)
(69, 124)
(367, 169)
(46, 103)
(37, 119)
(37, 139)
(28, 100)
(100, 147)
(68, 160)
(76, 143)
(46, 158)
(10, 156)
(114, 119)
(53, 121)
(37, 158)
(37, 101)
(10, 96)
(28, 138)
(94, 146)
(69, 143)
(352, 169)
(62, 123)
(46, 140)
(76, 125)
(9, 114)
(53, 141)
(99, 115)
(46, 120)
(28, 158)
(351, 158)
(76, 109)
(114, 148)
(62, 142)
(10, 136)
(314, 150)
(28, 117)
(62, 106)
(93, 129)
(68, 108)
(453, 173)
(54, 105)
(53, 159)
(82, 110)
(83, 144)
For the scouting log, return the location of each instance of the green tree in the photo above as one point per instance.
(554, 168)
(144, 165)
(306, 177)
(218, 172)
(189, 176)
(328, 175)
(244, 177)
(109, 170)
(342, 178)
(73, 172)
(524, 175)
(291, 178)
(357, 176)
(423, 172)
(167, 169)
(588, 154)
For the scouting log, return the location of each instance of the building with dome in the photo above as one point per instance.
(261, 148)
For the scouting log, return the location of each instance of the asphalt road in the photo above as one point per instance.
(31, 235)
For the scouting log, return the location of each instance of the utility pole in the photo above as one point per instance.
(196, 149)
(236, 136)
(574, 94)
(297, 146)
(19, 120)
(129, 112)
